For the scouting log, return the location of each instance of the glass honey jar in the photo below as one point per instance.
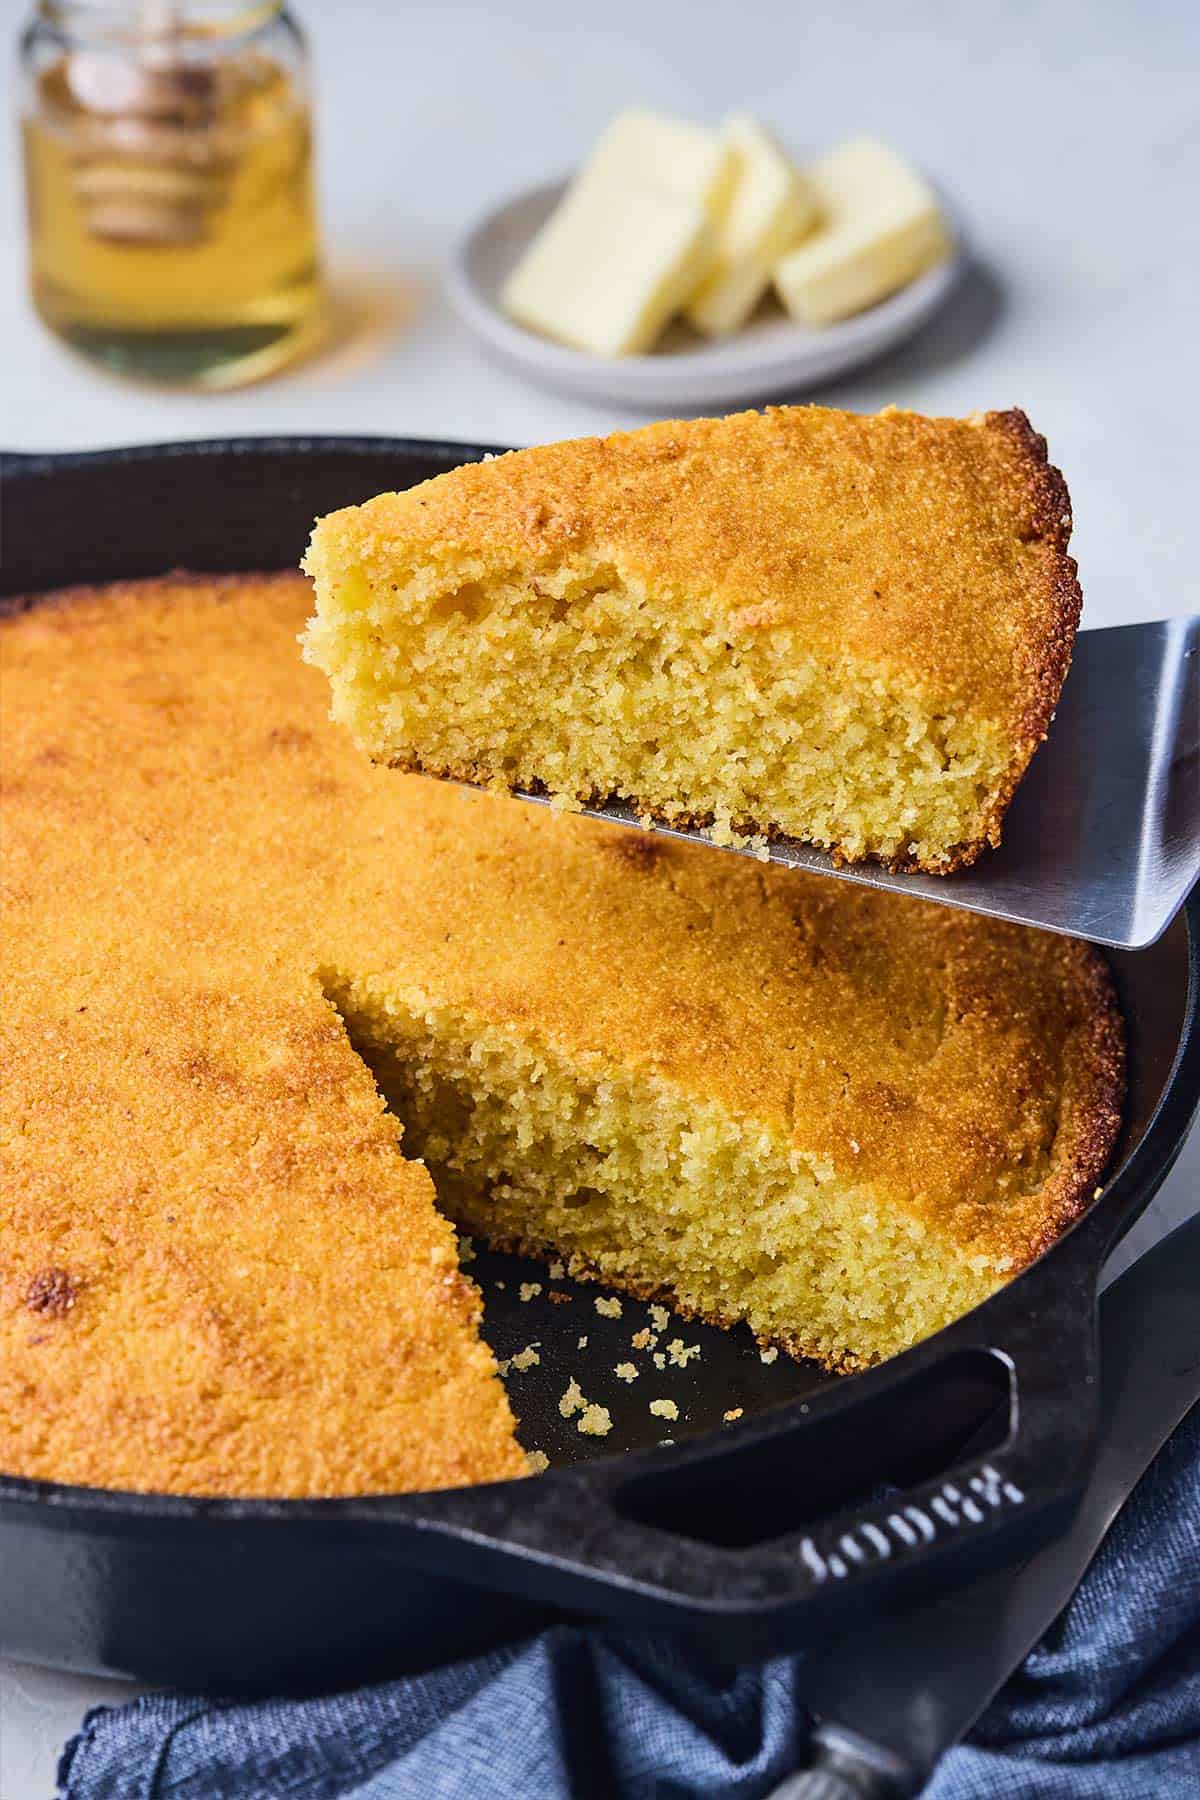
(168, 165)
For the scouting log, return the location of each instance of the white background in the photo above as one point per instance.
(1067, 133)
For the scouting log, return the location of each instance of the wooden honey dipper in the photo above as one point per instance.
(151, 162)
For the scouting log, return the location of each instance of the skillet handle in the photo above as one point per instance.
(940, 1460)
(795, 1515)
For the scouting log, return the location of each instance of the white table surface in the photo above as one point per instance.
(1067, 134)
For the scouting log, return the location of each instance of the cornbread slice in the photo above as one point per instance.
(847, 630)
(840, 1116)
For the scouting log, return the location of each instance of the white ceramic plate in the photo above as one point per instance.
(770, 356)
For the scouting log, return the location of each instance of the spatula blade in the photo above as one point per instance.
(1102, 840)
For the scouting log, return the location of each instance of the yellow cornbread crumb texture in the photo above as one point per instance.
(595, 1421)
(590, 1419)
(853, 631)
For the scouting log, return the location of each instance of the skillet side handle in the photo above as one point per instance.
(861, 1494)
(786, 1518)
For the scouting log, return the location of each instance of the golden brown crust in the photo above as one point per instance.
(219, 1276)
(1099, 1048)
(934, 546)
(1047, 657)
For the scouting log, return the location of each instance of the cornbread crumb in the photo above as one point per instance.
(530, 1290)
(664, 1409)
(660, 1361)
(626, 1371)
(734, 1412)
(466, 1250)
(582, 1345)
(526, 1358)
(643, 1339)
(768, 1356)
(595, 1421)
(608, 1309)
(660, 1317)
(536, 1462)
(682, 1354)
(556, 1271)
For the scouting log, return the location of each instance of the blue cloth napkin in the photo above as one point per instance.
(1106, 1708)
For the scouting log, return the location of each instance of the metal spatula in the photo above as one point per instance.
(1103, 838)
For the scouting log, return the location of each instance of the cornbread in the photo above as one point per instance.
(842, 1117)
(847, 630)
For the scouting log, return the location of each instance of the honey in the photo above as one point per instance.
(168, 165)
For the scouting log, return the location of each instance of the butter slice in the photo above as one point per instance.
(631, 240)
(644, 148)
(881, 228)
(769, 210)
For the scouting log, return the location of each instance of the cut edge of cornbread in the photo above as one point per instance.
(668, 1196)
(549, 660)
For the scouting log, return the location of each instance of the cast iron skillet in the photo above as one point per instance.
(822, 1497)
